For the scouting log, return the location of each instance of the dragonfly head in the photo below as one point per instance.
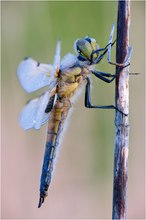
(85, 47)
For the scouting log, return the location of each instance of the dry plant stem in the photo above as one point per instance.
(121, 121)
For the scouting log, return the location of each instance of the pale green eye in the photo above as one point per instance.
(84, 48)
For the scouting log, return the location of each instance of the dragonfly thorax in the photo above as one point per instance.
(85, 47)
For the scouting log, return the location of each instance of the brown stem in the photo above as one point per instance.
(121, 121)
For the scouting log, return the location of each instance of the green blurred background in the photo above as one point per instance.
(82, 183)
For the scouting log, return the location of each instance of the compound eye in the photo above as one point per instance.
(88, 39)
(79, 51)
(92, 42)
(84, 48)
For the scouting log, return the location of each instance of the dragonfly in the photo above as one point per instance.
(62, 79)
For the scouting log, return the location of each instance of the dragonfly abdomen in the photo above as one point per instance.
(55, 128)
(46, 171)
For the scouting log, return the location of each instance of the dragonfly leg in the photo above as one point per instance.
(127, 60)
(105, 49)
(88, 100)
(103, 75)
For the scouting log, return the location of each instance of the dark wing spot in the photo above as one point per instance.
(50, 104)
(26, 58)
(38, 63)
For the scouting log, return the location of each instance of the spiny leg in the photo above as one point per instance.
(103, 75)
(88, 100)
(109, 45)
(127, 60)
(105, 49)
(123, 65)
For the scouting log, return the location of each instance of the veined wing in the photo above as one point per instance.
(56, 64)
(68, 61)
(33, 114)
(57, 55)
(33, 75)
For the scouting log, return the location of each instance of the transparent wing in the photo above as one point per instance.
(33, 114)
(68, 61)
(33, 75)
(56, 64)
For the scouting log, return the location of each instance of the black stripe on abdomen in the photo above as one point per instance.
(46, 171)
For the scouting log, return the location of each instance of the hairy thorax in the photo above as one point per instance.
(69, 80)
